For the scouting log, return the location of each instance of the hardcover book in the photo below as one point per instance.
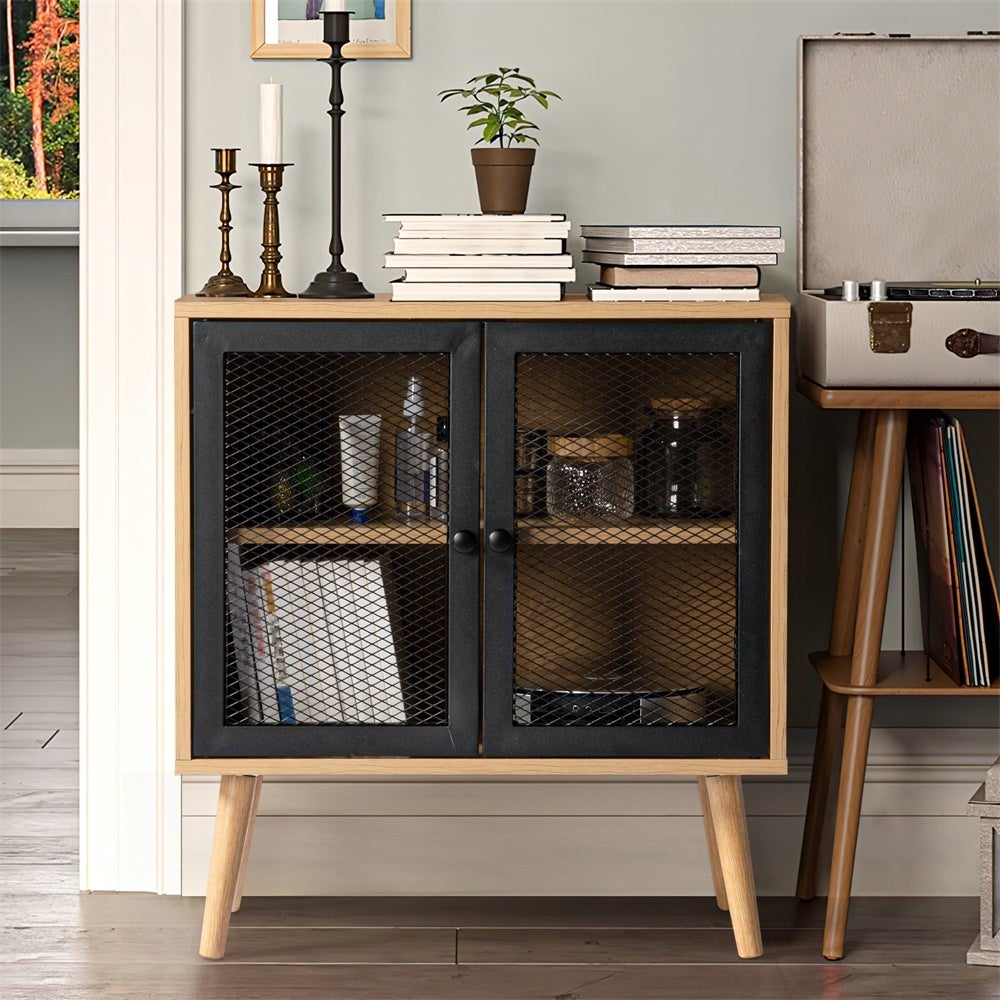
(680, 277)
(684, 232)
(601, 293)
(513, 245)
(478, 260)
(684, 246)
(603, 257)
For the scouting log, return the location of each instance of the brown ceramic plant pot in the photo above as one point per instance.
(502, 176)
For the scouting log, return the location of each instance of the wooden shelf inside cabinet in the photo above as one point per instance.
(630, 531)
(898, 674)
(373, 533)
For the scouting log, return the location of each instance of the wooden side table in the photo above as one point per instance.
(854, 669)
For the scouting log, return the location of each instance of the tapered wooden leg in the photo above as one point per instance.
(857, 729)
(845, 605)
(725, 796)
(236, 795)
(713, 847)
(245, 858)
(831, 713)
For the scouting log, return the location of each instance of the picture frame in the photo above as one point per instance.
(273, 35)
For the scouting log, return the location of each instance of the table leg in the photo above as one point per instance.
(888, 455)
(236, 795)
(245, 857)
(845, 605)
(725, 796)
(831, 714)
(718, 882)
(845, 838)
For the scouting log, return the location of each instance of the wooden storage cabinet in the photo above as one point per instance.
(499, 639)
(602, 636)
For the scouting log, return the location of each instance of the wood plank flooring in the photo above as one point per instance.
(57, 943)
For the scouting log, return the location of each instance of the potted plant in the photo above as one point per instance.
(502, 171)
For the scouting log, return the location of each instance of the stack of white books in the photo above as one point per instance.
(680, 263)
(480, 258)
(313, 641)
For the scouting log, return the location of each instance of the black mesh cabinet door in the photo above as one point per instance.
(627, 490)
(335, 533)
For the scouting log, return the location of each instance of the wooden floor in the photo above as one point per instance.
(58, 943)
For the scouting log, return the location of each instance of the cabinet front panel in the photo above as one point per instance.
(327, 484)
(628, 464)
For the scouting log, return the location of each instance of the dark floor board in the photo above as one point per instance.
(226, 981)
(589, 911)
(470, 911)
(846, 981)
(601, 946)
(178, 945)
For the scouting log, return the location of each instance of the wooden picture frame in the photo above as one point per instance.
(392, 43)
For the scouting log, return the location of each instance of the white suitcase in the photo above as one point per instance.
(899, 181)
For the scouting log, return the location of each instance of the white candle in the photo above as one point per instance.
(333, 5)
(270, 123)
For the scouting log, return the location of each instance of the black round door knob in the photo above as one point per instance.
(501, 541)
(464, 541)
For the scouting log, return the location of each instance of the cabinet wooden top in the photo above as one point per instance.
(577, 307)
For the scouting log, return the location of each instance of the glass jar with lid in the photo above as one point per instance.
(590, 477)
(670, 453)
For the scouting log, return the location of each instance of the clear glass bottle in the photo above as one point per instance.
(590, 477)
(439, 472)
(668, 457)
(413, 457)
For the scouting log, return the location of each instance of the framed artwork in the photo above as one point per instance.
(293, 29)
(39, 122)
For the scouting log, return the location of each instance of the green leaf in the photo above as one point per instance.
(490, 131)
(541, 100)
(527, 79)
(478, 122)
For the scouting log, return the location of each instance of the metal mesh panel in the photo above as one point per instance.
(626, 494)
(336, 603)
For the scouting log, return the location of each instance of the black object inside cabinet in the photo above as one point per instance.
(626, 522)
(322, 626)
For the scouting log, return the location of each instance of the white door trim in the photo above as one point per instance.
(130, 272)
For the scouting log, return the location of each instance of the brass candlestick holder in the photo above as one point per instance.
(225, 282)
(271, 175)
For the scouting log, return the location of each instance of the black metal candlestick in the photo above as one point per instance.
(336, 282)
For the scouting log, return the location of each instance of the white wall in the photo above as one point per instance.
(39, 332)
(673, 111)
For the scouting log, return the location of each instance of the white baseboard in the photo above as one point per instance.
(39, 488)
(599, 837)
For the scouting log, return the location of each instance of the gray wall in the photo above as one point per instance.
(39, 338)
(673, 111)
